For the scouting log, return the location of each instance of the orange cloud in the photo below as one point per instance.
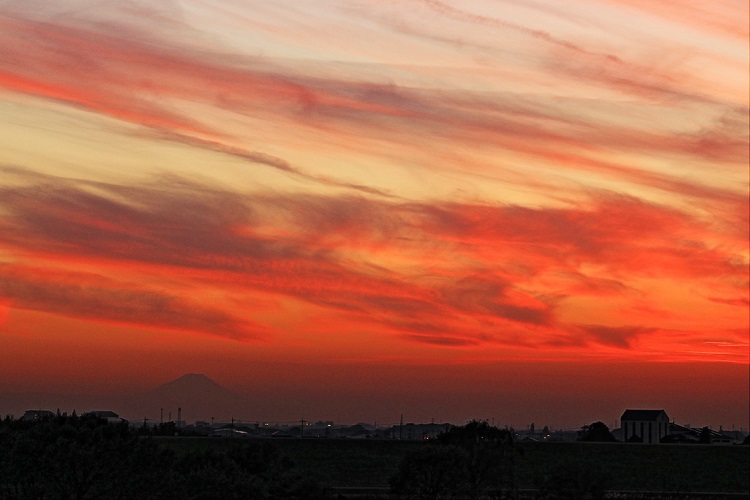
(387, 206)
(501, 269)
(92, 297)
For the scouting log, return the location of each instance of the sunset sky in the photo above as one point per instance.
(519, 210)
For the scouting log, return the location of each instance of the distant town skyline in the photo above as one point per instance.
(454, 210)
(197, 397)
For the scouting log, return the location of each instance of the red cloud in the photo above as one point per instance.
(440, 272)
(495, 274)
(617, 336)
(93, 297)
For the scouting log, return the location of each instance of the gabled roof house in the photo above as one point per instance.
(644, 426)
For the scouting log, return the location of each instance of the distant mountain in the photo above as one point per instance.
(199, 397)
(190, 386)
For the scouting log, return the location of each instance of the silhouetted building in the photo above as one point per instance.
(107, 415)
(37, 415)
(736, 437)
(695, 435)
(645, 426)
(229, 432)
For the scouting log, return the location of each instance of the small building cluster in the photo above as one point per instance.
(653, 426)
(636, 426)
(36, 415)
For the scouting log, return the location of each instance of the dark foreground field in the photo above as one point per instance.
(361, 464)
(64, 457)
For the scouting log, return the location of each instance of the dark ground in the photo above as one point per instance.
(366, 463)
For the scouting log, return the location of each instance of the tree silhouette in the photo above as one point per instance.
(86, 457)
(490, 454)
(596, 432)
(573, 480)
(74, 457)
(431, 473)
(705, 436)
(472, 460)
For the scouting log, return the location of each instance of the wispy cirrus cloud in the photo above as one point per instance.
(504, 174)
(329, 193)
(90, 296)
(444, 274)
(720, 18)
(147, 80)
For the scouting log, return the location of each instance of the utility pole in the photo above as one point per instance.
(161, 416)
(232, 428)
(401, 428)
(302, 428)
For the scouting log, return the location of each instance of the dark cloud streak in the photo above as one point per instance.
(69, 294)
(218, 235)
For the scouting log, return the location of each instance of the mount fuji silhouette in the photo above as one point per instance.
(190, 386)
(199, 398)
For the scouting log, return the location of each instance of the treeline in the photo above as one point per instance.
(78, 457)
(66, 457)
(478, 460)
